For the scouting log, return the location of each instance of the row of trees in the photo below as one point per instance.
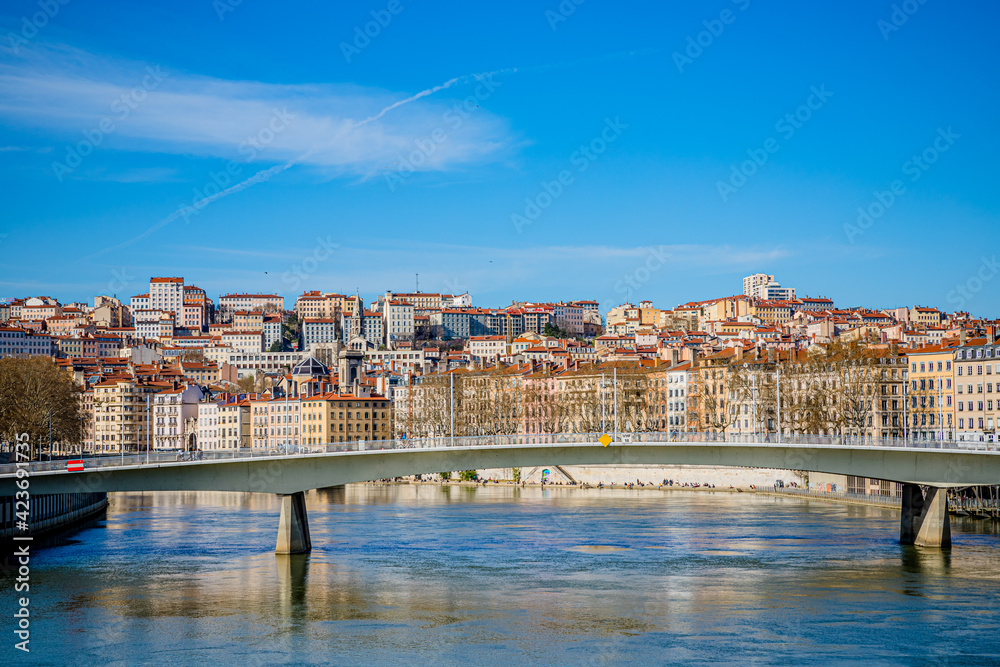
(505, 402)
(38, 398)
(831, 391)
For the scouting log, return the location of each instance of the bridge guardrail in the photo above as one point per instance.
(568, 439)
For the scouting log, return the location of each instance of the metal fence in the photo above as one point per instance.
(518, 440)
(888, 501)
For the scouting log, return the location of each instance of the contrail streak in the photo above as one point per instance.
(267, 174)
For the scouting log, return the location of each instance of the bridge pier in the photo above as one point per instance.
(924, 517)
(293, 525)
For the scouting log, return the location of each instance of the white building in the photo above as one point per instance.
(751, 283)
(167, 294)
(171, 408)
(208, 425)
(398, 322)
(230, 303)
(677, 397)
(487, 349)
(319, 330)
(244, 341)
(773, 291)
(153, 324)
(283, 421)
(272, 330)
(251, 363)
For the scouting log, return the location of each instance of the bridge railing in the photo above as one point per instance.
(514, 440)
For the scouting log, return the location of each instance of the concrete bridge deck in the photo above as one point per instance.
(932, 464)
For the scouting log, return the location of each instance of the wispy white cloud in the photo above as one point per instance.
(345, 129)
(142, 175)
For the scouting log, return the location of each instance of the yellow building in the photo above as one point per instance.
(120, 415)
(333, 417)
(773, 312)
(931, 408)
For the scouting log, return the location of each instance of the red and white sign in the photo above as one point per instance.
(75, 466)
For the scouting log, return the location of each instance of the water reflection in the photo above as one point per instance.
(452, 575)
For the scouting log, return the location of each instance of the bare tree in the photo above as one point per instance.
(35, 393)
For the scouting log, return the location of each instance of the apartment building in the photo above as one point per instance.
(245, 341)
(208, 425)
(753, 282)
(317, 304)
(230, 304)
(398, 324)
(334, 417)
(234, 424)
(977, 388)
(15, 342)
(248, 320)
(121, 414)
(284, 417)
(319, 330)
(487, 349)
(931, 395)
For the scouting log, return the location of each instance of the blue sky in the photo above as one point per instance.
(437, 146)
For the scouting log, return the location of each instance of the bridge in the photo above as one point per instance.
(925, 468)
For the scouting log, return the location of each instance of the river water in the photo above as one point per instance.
(433, 575)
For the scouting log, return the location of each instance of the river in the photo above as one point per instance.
(431, 575)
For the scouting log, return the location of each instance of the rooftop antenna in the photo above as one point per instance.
(418, 284)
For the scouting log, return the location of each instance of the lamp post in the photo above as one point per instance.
(906, 418)
(603, 419)
(616, 402)
(777, 384)
(123, 424)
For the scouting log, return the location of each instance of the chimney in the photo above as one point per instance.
(962, 336)
(991, 335)
(675, 356)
